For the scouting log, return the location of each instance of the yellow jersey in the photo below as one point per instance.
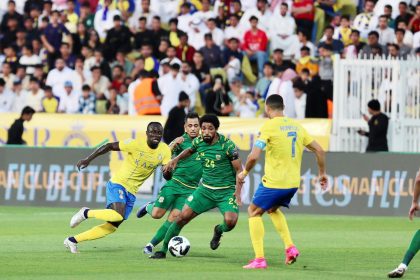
(284, 140)
(140, 162)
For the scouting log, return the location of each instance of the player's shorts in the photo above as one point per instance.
(204, 199)
(173, 195)
(267, 198)
(117, 193)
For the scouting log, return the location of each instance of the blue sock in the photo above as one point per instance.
(72, 239)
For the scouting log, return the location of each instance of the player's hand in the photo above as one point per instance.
(365, 117)
(179, 140)
(238, 198)
(240, 178)
(170, 166)
(82, 164)
(413, 209)
(323, 181)
(361, 132)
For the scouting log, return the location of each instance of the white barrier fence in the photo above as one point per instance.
(395, 83)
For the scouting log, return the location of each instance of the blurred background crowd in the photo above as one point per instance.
(172, 56)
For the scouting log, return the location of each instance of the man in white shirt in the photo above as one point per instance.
(69, 100)
(285, 90)
(386, 34)
(380, 6)
(303, 42)
(34, 95)
(216, 33)
(59, 75)
(131, 88)
(7, 75)
(6, 98)
(416, 40)
(205, 13)
(365, 22)
(29, 59)
(104, 19)
(185, 18)
(300, 99)
(170, 87)
(189, 83)
(196, 34)
(263, 14)
(19, 100)
(234, 30)
(282, 32)
(142, 10)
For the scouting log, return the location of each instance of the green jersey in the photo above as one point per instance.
(218, 172)
(188, 171)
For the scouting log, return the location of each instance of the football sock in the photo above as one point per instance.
(173, 230)
(161, 232)
(223, 227)
(413, 249)
(256, 230)
(108, 215)
(280, 223)
(149, 208)
(95, 232)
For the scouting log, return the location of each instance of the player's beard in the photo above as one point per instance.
(208, 139)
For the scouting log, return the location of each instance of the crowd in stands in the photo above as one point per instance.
(224, 56)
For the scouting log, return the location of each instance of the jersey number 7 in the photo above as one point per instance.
(294, 135)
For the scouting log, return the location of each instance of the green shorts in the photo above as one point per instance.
(204, 199)
(173, 195)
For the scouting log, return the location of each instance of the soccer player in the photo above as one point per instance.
(142, 159)
(183, 183)
(415, 243)
(218, 188)
(284, 140)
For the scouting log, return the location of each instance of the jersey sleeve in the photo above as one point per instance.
(307, 139)
(128, 145)
(194, 144)
(231, 150)
(167, 155)
(262, 137)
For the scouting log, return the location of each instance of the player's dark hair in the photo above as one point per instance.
(210, 118)
(275, 102)
(192, 115)
(27, 111)
(154, 124)
(374, 105)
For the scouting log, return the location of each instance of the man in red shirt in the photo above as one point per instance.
(255, 45)
(304, 13)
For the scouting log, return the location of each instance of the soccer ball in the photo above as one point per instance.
(179, 246)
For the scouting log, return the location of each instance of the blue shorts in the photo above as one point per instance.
(117, 193)
(267, 198)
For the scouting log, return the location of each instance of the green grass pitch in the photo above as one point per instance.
(332, 247)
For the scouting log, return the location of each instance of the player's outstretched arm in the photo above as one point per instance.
(83, 163)
(250, 162)
(320, 159)
(175, 143)
(172, 164)
(416, 195)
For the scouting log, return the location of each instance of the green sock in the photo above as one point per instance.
(173, 230)
(413, 249)
(223, 227)
(161, 232)
(149, 208)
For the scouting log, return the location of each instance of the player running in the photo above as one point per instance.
(284, 140)
(143, 157)
(183, 183)
(415, 243)
(221, 164)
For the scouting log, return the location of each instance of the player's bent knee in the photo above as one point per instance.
(158, 213)
(254, 211)
(115, 217)
(116, 224)
(231, 222)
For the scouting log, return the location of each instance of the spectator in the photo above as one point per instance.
(31, 32)
(234, 30)
(373, 43)
(122, 97)
(408, 35)
(61, 74)
(11, 13)
(174, 126)
(279, 63)
(150, 62)
(416, 41)
(205, 13)
(217, 99)
(304, 13)
(255, 45)
(185, 18)
(170, 87)
(29, 59)
(404, 15)
(202, 72)
(50, 102)
(69, 100)
(343, 32)
(86, 17)
(189, 83)
(7, 75)
(67, 56)
(282, 32)
(233, 60)
(365, 22)
(388, 14)
(93, 40)
(144, 95)
(414, 24)
(87, 101)
(247, 107)
(393, 51)
(6, 98)
(300, 99)
(184, 51)
(404, 50)
(283, 86)
(263, 14)
(174, 33)
(196, 34)
(216, 32)
(303, 42)
(353, 50)
(120, 59)
(378, 128)
(265, 81)
(19, 96)
(142, 35)
(99, 60)
(158, 33)
(326, 72)
(98, 83)
(306, 61)
(118, 77)
(386, 34)
(117, 38)
(35, 95)
(337, 45)
(111, 104)
(15, 132)
(11, 57)
(142, 11)
(104, 18)
(211, 52)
